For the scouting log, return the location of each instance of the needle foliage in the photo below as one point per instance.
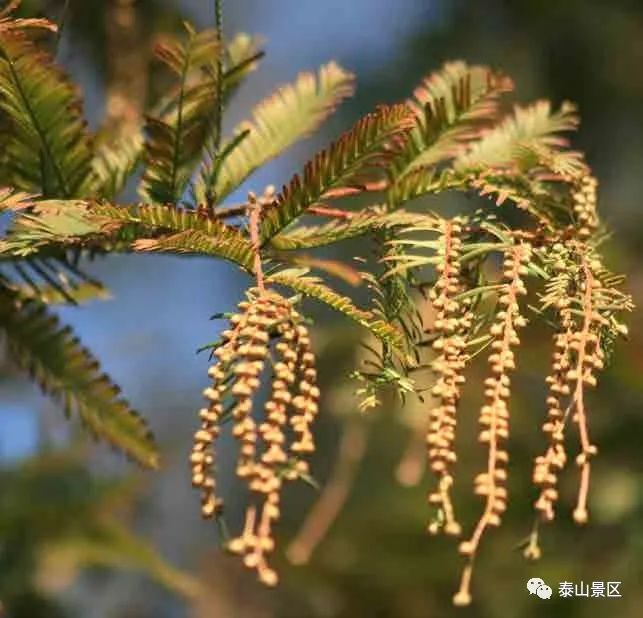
(443, 287)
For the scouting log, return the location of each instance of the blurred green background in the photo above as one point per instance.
(63, 501)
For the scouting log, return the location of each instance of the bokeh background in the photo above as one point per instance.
(376, 561)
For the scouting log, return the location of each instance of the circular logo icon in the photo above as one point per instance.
(533, 584)
(538, 587)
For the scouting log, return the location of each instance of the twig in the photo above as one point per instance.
(238, 210)
(587, 449)
(352, 448)
(367, 187)
(218, 20)
(327, 211)
(254, 218)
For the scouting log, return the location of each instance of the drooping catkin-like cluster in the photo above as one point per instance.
(584, 198)
(203, 454)
(494, 414)
(306, 400)
(241, 357)
(548, 466)
(587, 358)
(271, 448)
(451, 324)
(576, 293)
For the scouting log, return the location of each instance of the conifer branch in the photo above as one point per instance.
(293, 112)
(372, 142)
(69, 373)
(176, 140)
(451, 135)
(49, 148)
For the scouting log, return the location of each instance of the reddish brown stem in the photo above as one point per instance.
(254, 218)
(327, 211)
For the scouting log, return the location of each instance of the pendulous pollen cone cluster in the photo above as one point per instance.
(266, 335)
(583, 302)
(452, 322)
(579, 295)
(494, 414)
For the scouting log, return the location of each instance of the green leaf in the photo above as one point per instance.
(210, 170)
(425, 182)
(176, 139)
(337, 230)
(450, 107)
(374, 140)
(232, 247)
(190, 231)
(313, 287)
(525, 139)
(291, 113)
(404, 249)
(49, 149)
(242, 58)
(49, 224)
(68, 372)
(114, 162)
(56, 224)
